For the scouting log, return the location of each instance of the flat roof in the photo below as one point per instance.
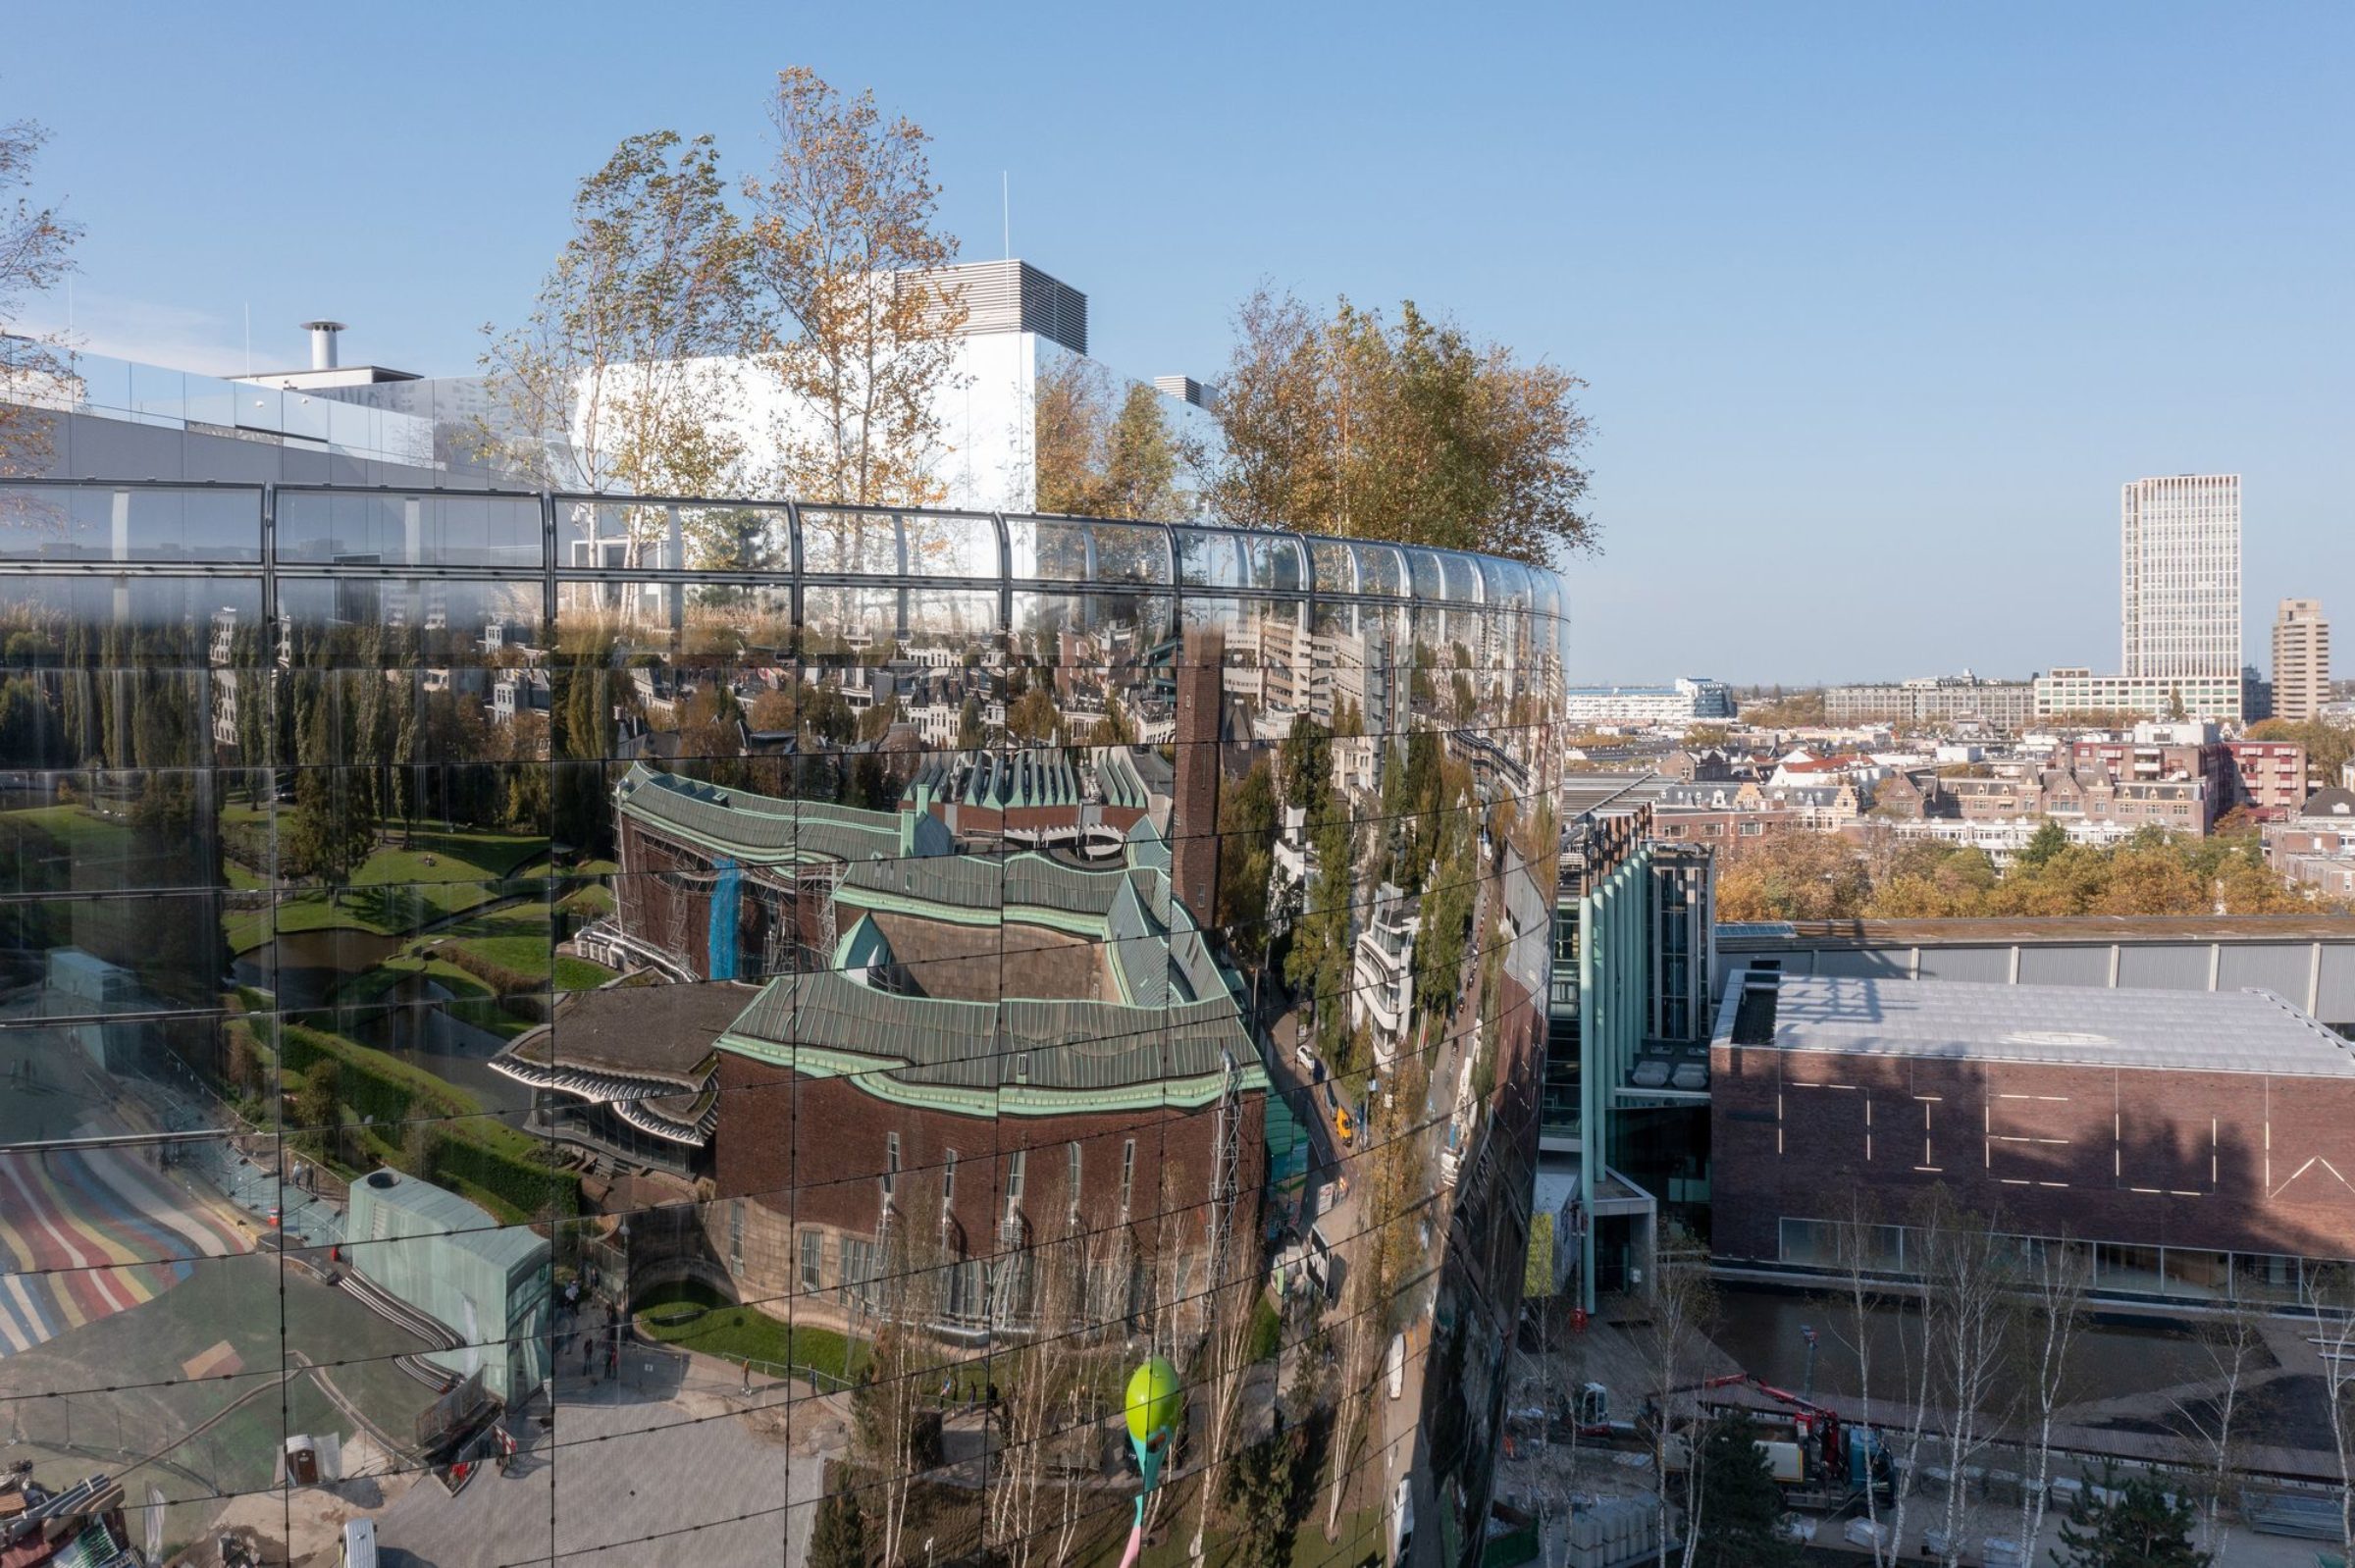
(2211, 1031)
(2057, 930)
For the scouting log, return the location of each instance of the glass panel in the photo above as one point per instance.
(1336, 566)
(409, 530)
(1273, 561)
(1048, 548)
(666, 536)
(858, 624)
(1380, 568)
(1460, 582)
(408, 621)
(1423, 567)
(144, 523)
(842, 539)
(1208, 558)
(1130, 553)
(129, 621)
(948, 545)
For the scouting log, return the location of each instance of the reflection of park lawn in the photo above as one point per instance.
(397, 889)
(518, 938)
(741, 1334)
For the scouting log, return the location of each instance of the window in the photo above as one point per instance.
(890, 1163)
(1014, 1177)
(814, 1259)
(948, 1180)
(1127, 1172)
(1072, 1190)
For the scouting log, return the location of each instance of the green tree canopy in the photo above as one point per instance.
(2140, 1527)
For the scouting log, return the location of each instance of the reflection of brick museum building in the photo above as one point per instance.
(2192, 1137)
(989, 1054)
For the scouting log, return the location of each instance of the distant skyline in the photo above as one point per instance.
(1878, 308)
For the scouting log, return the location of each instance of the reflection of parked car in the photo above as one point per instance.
(1345, 1128)
(1309, 1063)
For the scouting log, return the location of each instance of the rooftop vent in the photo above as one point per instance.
(323, 342)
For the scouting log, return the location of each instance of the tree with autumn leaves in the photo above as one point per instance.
(669, 310)
(36, 243)
(1819, 877)
(1404, 429)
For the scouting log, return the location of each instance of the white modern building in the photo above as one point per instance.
(2080, 691)
(1688, 700)
(1020, 325)
(2180, 584)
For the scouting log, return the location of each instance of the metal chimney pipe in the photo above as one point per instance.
(323, 342)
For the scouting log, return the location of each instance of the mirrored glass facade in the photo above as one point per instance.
(594, 1030)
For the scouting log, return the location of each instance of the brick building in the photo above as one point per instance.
(2272, 777)
(2195, 1139)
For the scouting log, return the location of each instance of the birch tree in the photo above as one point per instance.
(2052, 1287)
(1966, 1294)
(896, 1432)
(2232, 1341)
(621, 381)
(2333, 1291)
(1683, 1303)
(37, 245)
(1858, 1238)
(858, 329)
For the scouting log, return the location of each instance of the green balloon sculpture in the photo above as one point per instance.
(1156, 1404)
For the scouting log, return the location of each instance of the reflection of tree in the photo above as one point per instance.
(1247, 861)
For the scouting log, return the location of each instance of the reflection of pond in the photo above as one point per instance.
(302, 966)
(1761, 1329)
(449, 1048)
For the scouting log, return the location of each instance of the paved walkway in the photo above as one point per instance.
(699, 1478)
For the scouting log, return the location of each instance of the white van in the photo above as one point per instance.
(1402, 1521)
(1397, 1365)
(359, 1543)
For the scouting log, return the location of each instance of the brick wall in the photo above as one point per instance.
(808, 1153)
(2237, 1162)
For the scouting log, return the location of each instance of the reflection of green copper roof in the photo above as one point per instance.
(863, 945)
(1014, 1053)
(1118, 777)
(762, 829)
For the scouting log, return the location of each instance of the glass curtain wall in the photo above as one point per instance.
(582, 1028)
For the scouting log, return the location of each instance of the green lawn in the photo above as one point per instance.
(395, 890)
(693, 1317)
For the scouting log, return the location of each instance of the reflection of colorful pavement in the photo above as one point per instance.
(81, 1233)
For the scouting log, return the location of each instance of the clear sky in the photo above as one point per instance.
(1879, 303)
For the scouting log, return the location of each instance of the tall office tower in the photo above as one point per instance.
(2180, 579)
(2301, 659)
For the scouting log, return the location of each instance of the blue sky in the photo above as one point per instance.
(1878, 304)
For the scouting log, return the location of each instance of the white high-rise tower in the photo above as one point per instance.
(2181, 580)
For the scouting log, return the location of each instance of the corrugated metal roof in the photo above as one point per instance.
(2214, 1031)
(1050, 1044)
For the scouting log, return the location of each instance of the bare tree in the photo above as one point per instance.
(618, 383)
(1043, 1383)
(1862, 1259)
(1683, 1304)
(889, 1407)
(859, 326)
(1967, 1276)
(36, 244)
(2233, 1340)
(2053, 1285)
(2333, 1291)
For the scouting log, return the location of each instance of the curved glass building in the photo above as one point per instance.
(575, 1029)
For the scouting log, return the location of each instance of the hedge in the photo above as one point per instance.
(480, 1157)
